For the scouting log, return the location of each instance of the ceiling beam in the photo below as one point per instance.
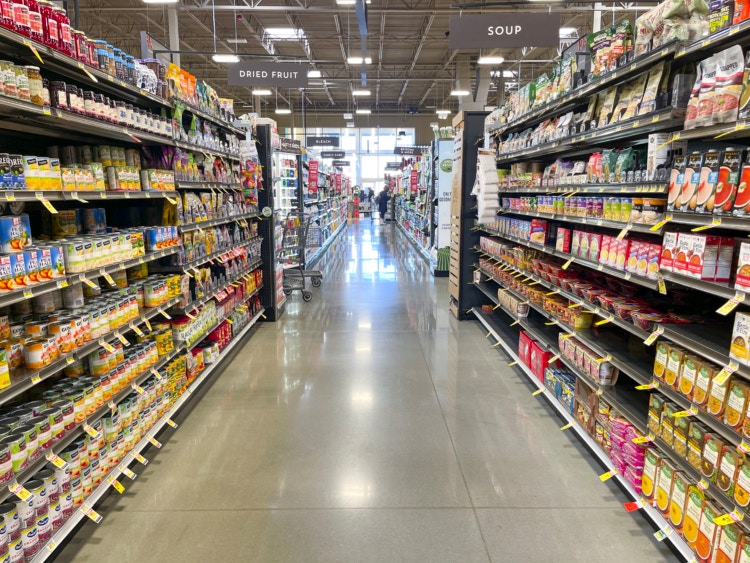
(426, 25)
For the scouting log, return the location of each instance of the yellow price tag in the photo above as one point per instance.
(107, 346)
(602, 322)
(154, 442)
(56, 460)
(10, 197)
(138, 389)
(514, 323)
(19, 491)
(116, 485)
(568, 263)
(148, 324)
(725, 373)
(156, 374)
(608, 475)
(91, 513)
(190, 316)
(230, 321)
(624, 232)
(537, 392)
(172, 423)
(744, 447)
(122, 339)
(127, 472)
(62, 284)
(171, 200)
(140, 459)
(107, 277)
(724, 519)
(553, 358)
(28, 294)
(646, 386)
(730, 305)
(662, 286)
(36, 378)
(164, 313)
(641, 440)
(137, 330)
(653, 336)
(569, 425)
(90, 430)
(69, 360)
(47, 204)
(88, 282)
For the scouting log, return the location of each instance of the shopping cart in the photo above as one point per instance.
(301, 233)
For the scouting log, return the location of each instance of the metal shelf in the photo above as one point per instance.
(634, 227)
(212, 118)
(217, 291)
(187, 227)
(205, 150)
(581, 143)
(645, 282)
(218, 255)
(614, 188)
(717, 221)
(70, 525)
(579, 95)
(601, 456)
(714, 288)
(81, 196)
(185, 185)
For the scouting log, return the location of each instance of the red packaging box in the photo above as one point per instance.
(539, 361)
(563, 240)
(524, 347)
(669, 251)
(604, 253)
(703, 258)
(682, 252)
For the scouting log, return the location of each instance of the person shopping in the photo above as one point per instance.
(383, 203)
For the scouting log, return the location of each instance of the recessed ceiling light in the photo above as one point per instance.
(262, 92)
(346, 2)
(364, 111)
(460, 93)
(350, 124)
(358, 60)
(283, 111)
(225, 58)
(491, 60)
(314, 74)
(360, 92)
(347, 116)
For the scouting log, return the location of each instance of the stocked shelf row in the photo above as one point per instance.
(185, 185)
(587, 188)
(204, 298)
(135, 455)
(187, 227)
(28, 117)
(636, 228)
(504, 336)
(221, 255)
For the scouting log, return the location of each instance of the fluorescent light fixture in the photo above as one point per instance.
(568, 31)
(262, 92)
(460, 93)
(237, 41)
(284, 33)
(363, 111)
(360, 92)
(225, 58)
(160, 1)
(314, 74)
(491, 60)
(350, 124)
(283, 111)
(346, 2)
(443, 111)
(358, 60)
(348, 116)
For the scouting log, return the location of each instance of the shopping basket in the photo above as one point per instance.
(301, 233)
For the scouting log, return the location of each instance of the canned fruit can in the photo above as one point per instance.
(18, 268)
(16, 444)
(6, 465)
(15, 233)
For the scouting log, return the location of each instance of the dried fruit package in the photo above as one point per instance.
(729, 77)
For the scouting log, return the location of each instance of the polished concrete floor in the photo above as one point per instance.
(368, 425)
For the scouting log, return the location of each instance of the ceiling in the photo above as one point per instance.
(412, 65)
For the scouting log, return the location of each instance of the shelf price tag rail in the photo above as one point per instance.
(640, 280)
(65, 195)
(69, 526)
(186, 185)
(32, 378)
(611, 354)
(714, 288)
(660, 120)
(577, 96)
(214, 222)
(124, 265)
(707, 219)
(593, 221)
(202, 337)
(601, 456)
(318, 253)
(204, 150)
(70, 436)
(593, 308)
(209, 117)
(605, 188)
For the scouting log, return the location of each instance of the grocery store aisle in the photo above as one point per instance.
(368, 425)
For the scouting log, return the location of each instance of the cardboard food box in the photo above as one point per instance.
(740, 346)
(709, 178)
(729, 179)
(669, 251)
(742, 273)
(575, 242)
(689, 197)
(524, 347)
(631, 264)
(583, 247)
(562, 244)
(623, 248)
(696, 441)
(539, 360)
(595, 245)
(604, 253)
(538, 232)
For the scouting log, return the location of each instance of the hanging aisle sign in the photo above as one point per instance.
(322, 141)
(487, 31)
(293, 146)
(393, 166)
(408, 151)
(277, 75)
(341, 163)
(332, 154)
(312, 178)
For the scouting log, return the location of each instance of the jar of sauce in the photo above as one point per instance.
(45, 92)
(22, 84)
(21, 18)
(35, 85)
(58, 94)
(81, 46)
(119, 68)
(66, 35)
(99, 105)
(9, 79)
(49, 24)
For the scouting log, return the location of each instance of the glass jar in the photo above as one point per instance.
(36, 27)
(66, 35)
(58, 94)
(93, 57)
(45, 92)
(21, 18)
(6, 14)
(119, 68)
(101, 54)
(35, 85)
(99, 105)
(9, 79)
(110, 59)
(49, 24)
(22, 84)
(72, 92)
(81, 46)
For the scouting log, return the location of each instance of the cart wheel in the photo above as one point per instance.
(287, 292)
(316, 282)
(306, 296)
